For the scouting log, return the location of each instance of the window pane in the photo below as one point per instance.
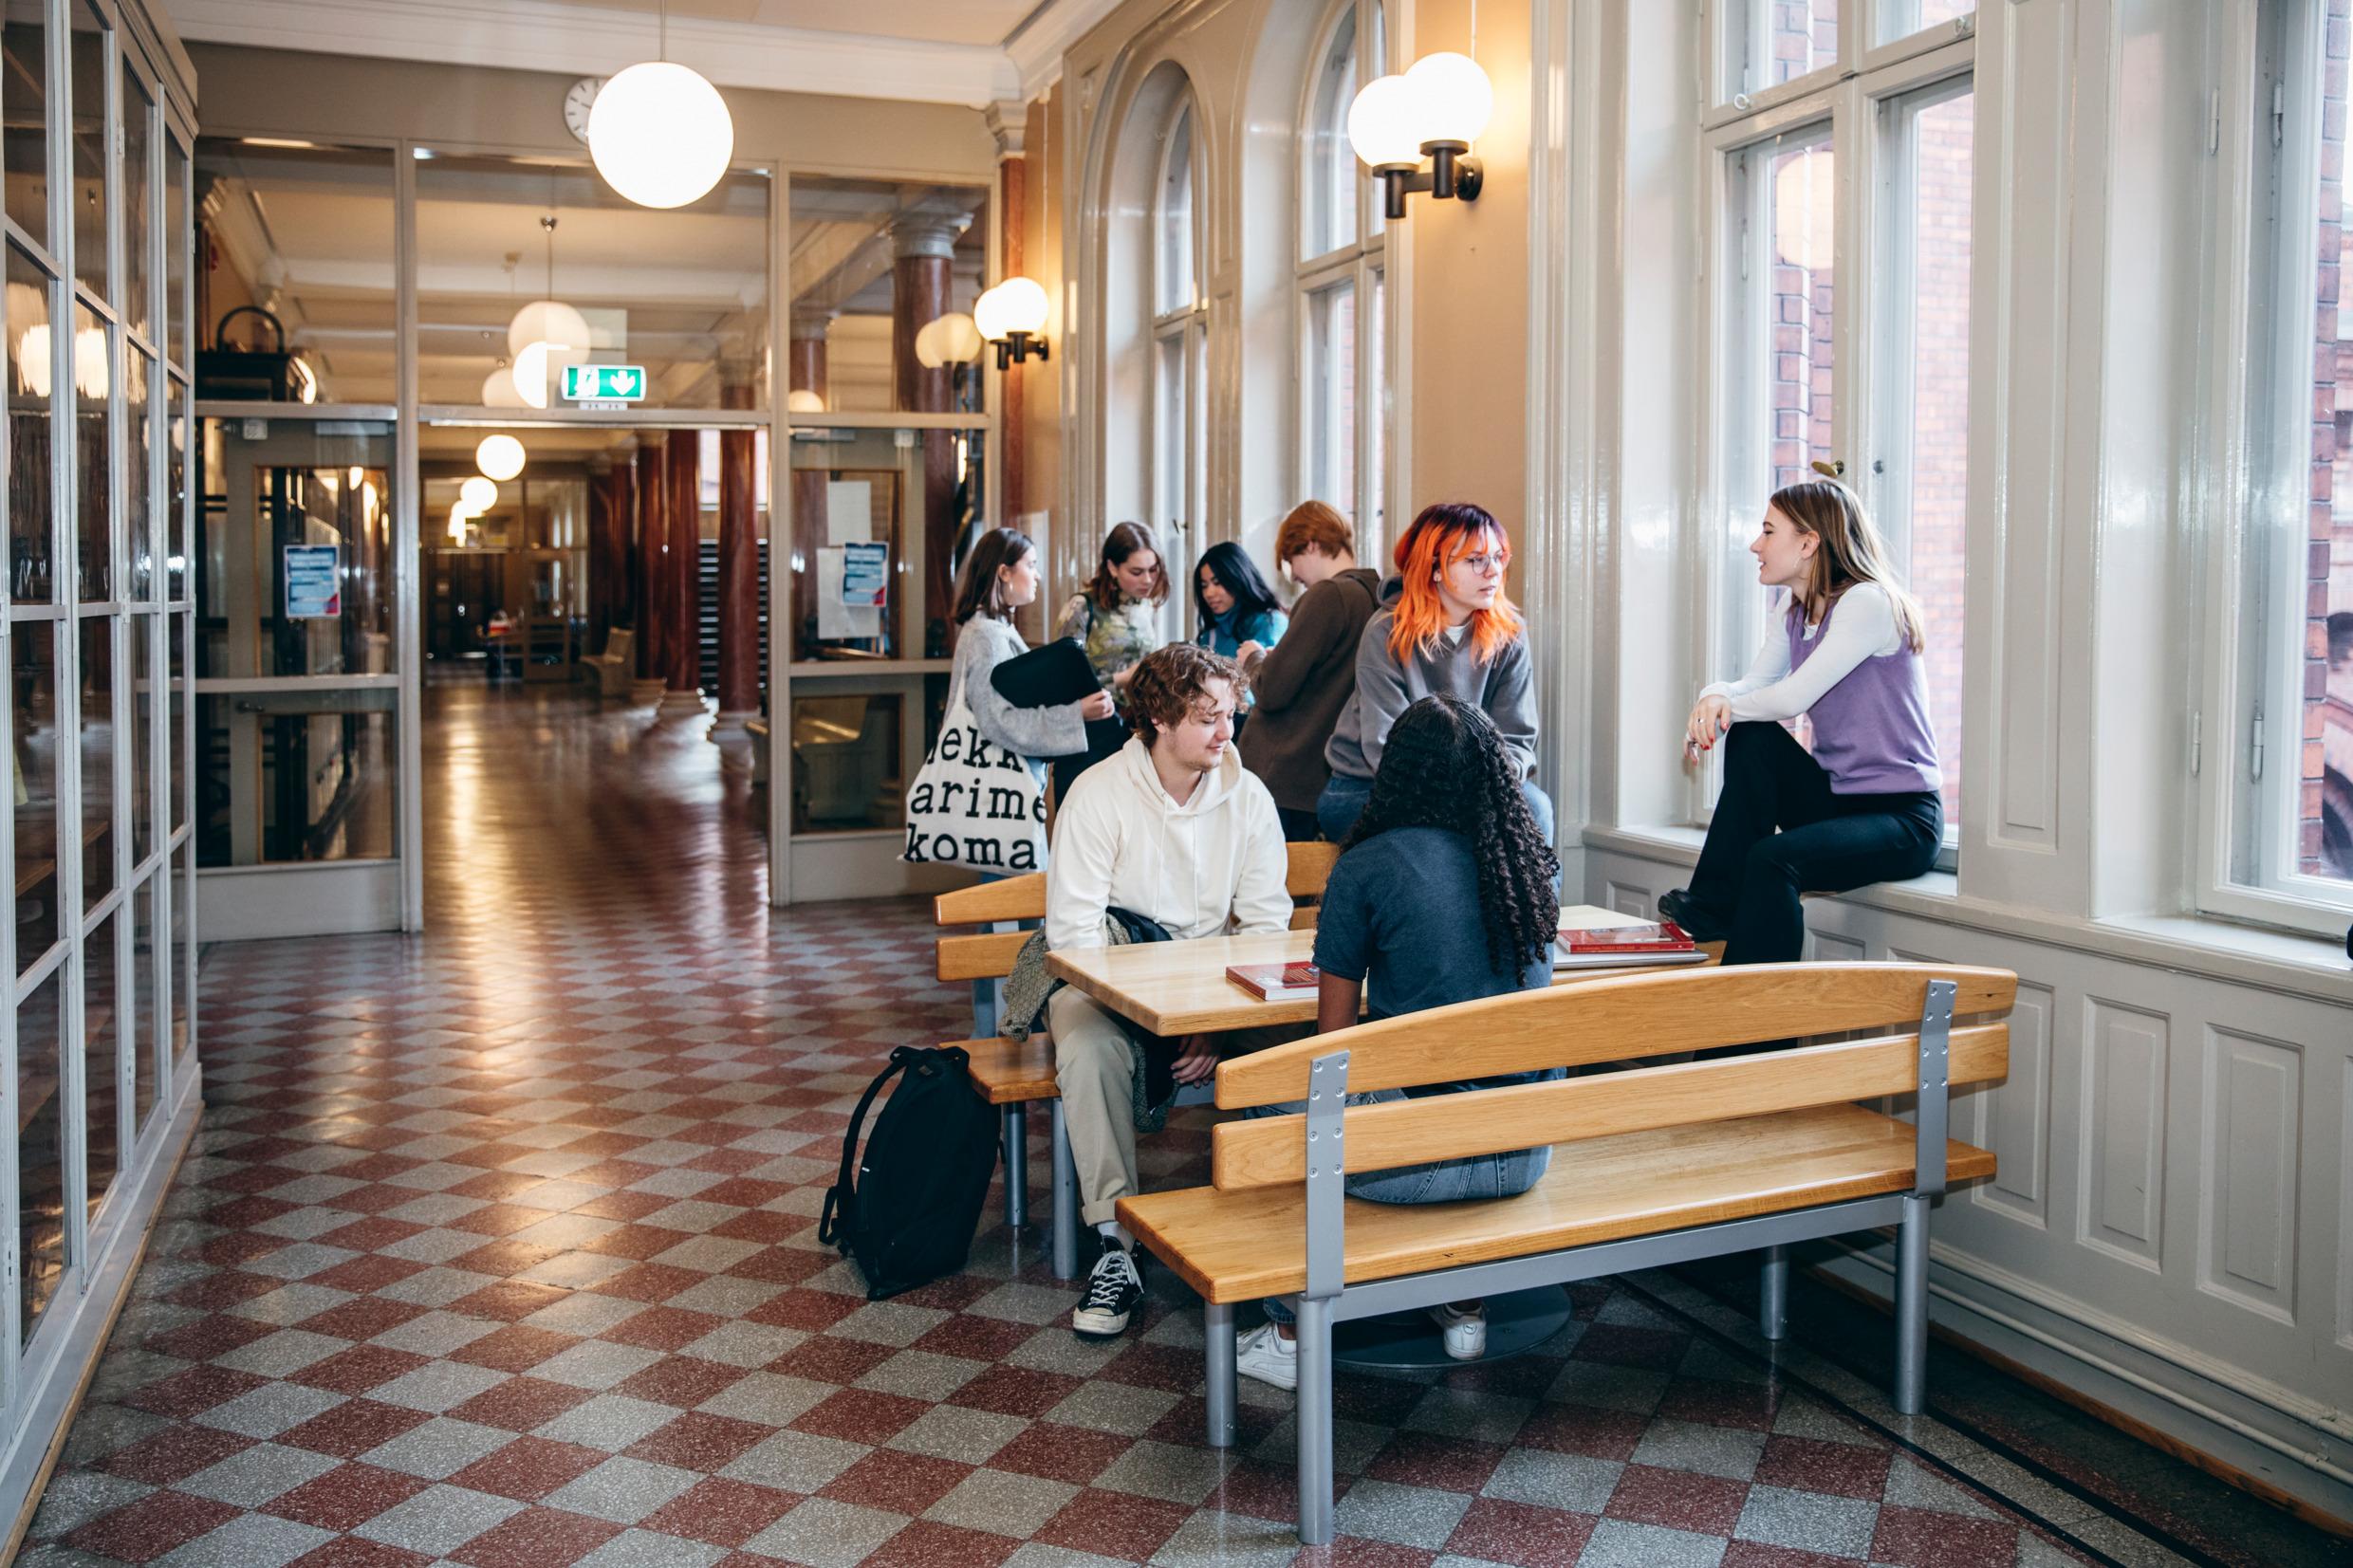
(1372, 527)
(93, 171)
(144, 971)
(1328, 180)
(176, 497)
(101, 1045)
(1800, 240)
(33, 698)
(1926, 494)
(138, 427)
(31, 371)
(183, 951)
(1331, 395)
(856, 491)
(176, 246)
(140, 709)
(1175, 291)
(1770, 41)
(1378, 51)
(24, 55)
(311, 230)
(99, 747)
(323, 764)
(1896, 19)
(93, 357)
(40, 1149)
(138, 225)
(873, 262)
(2318, 631)
(845, 763)
(176, 743)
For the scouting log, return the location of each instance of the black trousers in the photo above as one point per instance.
(1779, 831)
(1299, 827)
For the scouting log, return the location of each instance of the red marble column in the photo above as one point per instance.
(684, 507)
(653, 585)
(920, 294)
(740, 609)
(806, 360)
(620, 582)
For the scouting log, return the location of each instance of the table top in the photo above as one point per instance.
(1182, 988)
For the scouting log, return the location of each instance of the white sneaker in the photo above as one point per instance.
(1466, 1332)
(1264, 1354)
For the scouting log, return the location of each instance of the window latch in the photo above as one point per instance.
(2254, 748)
(2279, 113)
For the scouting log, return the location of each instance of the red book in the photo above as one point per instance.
(1275, 982)
(1626, 947)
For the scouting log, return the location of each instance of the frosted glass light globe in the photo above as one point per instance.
(499, 456)
(498, 389)
(801, 400)
(948, 340)
(90, 366)
(1017, 305)
(1805, 209)
(32, 358)
(1451, 99)
(478, 494)
(1381, 125)
(660, 134)
(548, 322)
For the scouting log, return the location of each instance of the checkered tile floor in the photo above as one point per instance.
(497, 1248)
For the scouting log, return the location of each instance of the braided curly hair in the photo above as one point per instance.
(1445, 767)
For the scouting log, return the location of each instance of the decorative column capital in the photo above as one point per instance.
(924, 236)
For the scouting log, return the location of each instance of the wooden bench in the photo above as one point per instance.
(1650, 1166)
(612, 669)
(1014, 1073)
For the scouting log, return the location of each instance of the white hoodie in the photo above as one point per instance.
(1214, 866)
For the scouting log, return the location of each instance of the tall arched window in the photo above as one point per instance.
(1179, 352)
(1343, 415)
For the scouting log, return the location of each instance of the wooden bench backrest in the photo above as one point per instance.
(989, 955)
(1603, 1021)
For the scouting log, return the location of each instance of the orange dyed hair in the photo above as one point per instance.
(1442, 535)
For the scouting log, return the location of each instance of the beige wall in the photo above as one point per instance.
(273, 92)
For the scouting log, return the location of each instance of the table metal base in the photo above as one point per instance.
(1516, 1323)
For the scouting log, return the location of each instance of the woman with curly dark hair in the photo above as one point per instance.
(1443, 892)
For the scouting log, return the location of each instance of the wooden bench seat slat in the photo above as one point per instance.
(1308, 867)
(1236, 1246)
(1270, 1150)
(1006, 1071)
(1618, 1018)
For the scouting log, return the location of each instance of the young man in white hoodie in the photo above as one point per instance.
(1174, 829)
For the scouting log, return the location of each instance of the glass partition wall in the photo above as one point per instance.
(383, 311)
(96, 122)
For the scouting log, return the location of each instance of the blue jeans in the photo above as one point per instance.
(1504, 1175)
(1344, 801)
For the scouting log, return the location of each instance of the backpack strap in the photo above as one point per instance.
(843, 1192)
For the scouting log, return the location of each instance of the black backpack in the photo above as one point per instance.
(908, 1218)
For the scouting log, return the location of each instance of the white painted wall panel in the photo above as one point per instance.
(2122, 1137)
(2247, 1221)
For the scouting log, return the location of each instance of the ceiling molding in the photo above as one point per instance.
(1037, 46)
(548, 35)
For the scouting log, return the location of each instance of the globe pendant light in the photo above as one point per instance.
(499, 390)
(659, 133)
(477, 494)
(548, 322)
(499, 458)
(1013, 315)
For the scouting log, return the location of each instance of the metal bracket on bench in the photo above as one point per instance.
(1327, 1100)
(1935, 1087)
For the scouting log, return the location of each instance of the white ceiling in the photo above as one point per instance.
(974, 52)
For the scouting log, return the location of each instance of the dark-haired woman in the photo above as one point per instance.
(1240, 618)
(1443, 892)
(1116, 618)
(1001, 576)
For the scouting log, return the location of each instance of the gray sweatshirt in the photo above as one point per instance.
(1033, 732)
(1385, 689)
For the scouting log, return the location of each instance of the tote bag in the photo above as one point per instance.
(973, 803)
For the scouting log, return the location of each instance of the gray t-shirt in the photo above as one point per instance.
(1401, 909)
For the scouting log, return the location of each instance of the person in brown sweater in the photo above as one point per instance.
(1301, 684)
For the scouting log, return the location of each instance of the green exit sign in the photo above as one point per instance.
(603, 383)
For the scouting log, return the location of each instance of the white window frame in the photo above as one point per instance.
(1178, 372)
(1867, 301)
(1360, 264)
(2248, 733)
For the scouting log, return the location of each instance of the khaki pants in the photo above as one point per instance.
(1095, 1068)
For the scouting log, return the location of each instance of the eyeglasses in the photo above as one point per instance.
(1488, 561)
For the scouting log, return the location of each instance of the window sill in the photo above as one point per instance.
(2311, 967)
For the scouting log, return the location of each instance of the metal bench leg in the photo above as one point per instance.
(1314, 1330)
(1217, 1329)
(1772, 1294)
(984, 1008)
(1066, 1252)
(1016, 1166)
(1912, 1306)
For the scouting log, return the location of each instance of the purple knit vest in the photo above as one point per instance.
(1871, 730)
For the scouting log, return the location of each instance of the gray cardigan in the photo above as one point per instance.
(1033, 732)
(1385, 688)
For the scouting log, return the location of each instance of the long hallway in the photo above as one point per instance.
(497, 1248)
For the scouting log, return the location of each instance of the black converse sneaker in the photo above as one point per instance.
(1112, 1288)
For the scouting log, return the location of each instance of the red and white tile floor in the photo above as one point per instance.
(497, 1248)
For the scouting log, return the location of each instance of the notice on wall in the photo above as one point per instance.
(837, 618)
(850, 511)
(866, 575)
(313, 583)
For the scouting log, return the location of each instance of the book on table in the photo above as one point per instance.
(1275, 982)
(1626, 947)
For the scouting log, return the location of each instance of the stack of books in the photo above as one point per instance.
(1626, 947)
(1275, 982)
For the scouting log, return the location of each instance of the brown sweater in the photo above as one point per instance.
(1303, 684)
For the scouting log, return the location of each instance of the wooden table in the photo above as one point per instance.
(1182, 988)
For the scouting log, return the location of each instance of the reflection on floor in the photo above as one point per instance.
(497, 1248)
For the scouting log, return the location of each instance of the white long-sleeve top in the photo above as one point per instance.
(1863, 628)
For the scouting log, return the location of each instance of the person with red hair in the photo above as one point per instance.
(1444, 628)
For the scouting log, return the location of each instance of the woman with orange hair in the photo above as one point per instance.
(1445, 629)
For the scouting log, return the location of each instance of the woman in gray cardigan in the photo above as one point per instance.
(1001, 576)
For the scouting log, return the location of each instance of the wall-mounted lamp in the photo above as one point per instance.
(1013, 315)
(1437, 110)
